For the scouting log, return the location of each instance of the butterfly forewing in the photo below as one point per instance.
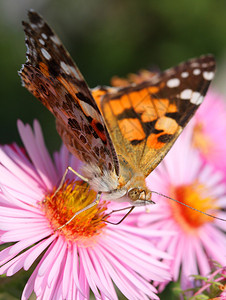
(144, 120)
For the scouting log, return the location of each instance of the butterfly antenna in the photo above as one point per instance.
(204, 213)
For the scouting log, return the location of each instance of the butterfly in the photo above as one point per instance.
(119, 133)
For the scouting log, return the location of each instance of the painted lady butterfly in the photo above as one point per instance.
(120, 133)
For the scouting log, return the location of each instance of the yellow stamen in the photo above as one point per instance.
(195, 195)
(71, 198)
(201, 140)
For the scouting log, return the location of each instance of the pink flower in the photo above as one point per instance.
(86, 254)
(198, 238)
(210, 131)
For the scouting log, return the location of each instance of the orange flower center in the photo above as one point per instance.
(68, 200)
(200, 140)
(195, 195)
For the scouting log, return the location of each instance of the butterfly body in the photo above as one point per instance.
(130, 186)
(120, 133)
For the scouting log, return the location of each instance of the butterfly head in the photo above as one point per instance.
(139, 196)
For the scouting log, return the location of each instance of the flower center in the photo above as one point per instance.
(195, 195)
(71, 198)
(200, 140)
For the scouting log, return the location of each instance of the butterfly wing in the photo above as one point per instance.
(51, 75)
(144, 120)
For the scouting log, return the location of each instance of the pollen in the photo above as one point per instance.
(196, 196)
(71, 198)
(200, 140)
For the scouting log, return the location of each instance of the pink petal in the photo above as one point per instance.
(75, 270)
(50, 168)
(29, 287)
(36, 157)
(120, 281)
(102, 274)
(12, 200)
(67, 278)
(36, 251)
(59, 260)
(28, 242)
(22, 177)
(49, 256)
(90, 274)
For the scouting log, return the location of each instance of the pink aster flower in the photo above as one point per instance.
(198, 238)
(87, 253)
(210, 131)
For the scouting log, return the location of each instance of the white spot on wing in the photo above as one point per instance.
(90, 111)
(208, 75)
(65, 67)
(41, 42)
(196, 71)
(195, 64)
(195, 98)
(172, 83)
(44, 36)
(69, 70)
(55, 39)
(199, 100)
(45, 54)
(184, 74)
(186, 94)
(73, 70)
(32, 40)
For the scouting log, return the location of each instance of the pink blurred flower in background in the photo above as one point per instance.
(199, 238)
(209, 135)
(87, 253)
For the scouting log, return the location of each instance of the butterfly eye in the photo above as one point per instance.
(134, 194)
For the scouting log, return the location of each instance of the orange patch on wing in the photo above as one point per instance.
(44, 69)
(68, 85)
(119, 82)
(153, 143)
(154, 109)
(172, 108)
(139, 98)
(119, 105)
(169, 127)
(101, 134)
(97, 95)
(167, 124)
(153, 89)
(140, 101)
(131, 129)
(162, 106)
(162, 85)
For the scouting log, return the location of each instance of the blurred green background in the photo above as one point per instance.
(106, 38)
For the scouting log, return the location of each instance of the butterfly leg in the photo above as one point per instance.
(64, 176)
(116, 210)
